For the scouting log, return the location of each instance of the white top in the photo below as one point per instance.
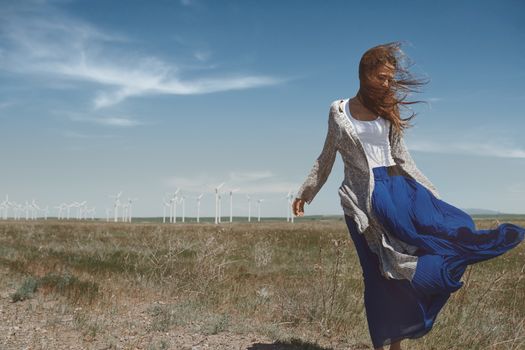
(373, 135)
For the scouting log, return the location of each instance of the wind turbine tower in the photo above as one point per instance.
(165, 204)
(174, 205)
(220, 207)
(259, 201)
(116, 205)
(68, 209)
(34, 210)
(6, 204)
(182, 198)
(59, 211)
(217, 203)
(231, 203)
(289, 201)
(27, 206)
(129, 205)
(199, 206)
(81, 208)
(249, 208)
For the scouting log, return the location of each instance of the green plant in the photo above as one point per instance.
(26, 290)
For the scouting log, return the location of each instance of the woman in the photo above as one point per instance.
(413, 247)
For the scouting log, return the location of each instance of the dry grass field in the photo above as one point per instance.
(258, 286)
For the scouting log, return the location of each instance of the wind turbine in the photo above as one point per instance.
(169, 203)
(76, 205)
(15, 210)
(173, 201)
(182, 199)
(34, 209)
(220, 207)
(60, 207)
(92, 212)
(46, 211)
(9, 204)
(199, 206)
(259, 201)
(165, 203)
(116, 205)
(3, 207)
(217, 203)
(231, 203)
(129, 204)
(21, 210)
(80, 208)
(83, 210)
(18, 208)
(6, 204)
(68, 208)
(62, 210)
(289, 201)
(125, 212)
(27, 206)
(249, 208)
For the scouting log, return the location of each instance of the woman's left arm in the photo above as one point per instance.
(401, 154)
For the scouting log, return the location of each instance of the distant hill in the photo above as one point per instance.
(480, 211)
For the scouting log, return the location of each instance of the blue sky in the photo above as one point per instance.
(144, 97)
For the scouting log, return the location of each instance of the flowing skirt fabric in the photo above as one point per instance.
(447, 242)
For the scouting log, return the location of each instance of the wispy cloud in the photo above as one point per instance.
(186, 2)
(487, 139)
(202, 56)
(47, 41)
(77, 135)
(487, 147)
(102, 120)
(249, 182)
(250, 175)
(6, 104)
(116, 121)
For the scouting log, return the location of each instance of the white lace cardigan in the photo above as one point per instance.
(396, 257)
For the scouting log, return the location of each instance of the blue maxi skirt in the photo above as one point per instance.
(447, 242)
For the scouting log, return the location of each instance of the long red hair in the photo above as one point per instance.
(385, 102)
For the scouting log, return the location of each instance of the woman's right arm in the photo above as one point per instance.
(322, 165)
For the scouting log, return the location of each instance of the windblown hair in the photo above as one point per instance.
(385, 102)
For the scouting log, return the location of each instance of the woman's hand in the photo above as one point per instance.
(298, 207)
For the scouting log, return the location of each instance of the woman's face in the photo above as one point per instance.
(382, 76)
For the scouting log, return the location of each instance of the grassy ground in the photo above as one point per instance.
(298, 285)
